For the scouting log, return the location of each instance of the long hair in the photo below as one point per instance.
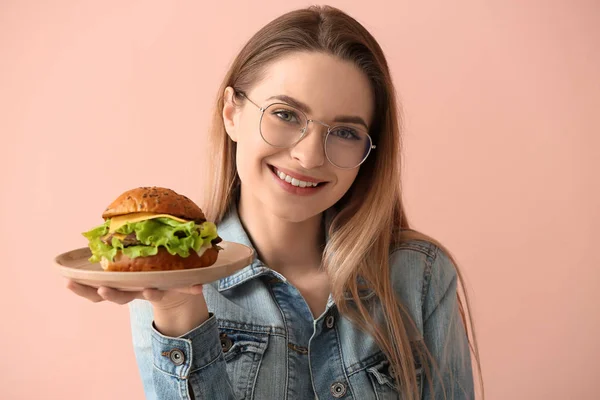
(370, 218)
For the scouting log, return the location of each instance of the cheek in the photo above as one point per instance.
(250, 153)
(245, 161)
(346, 179)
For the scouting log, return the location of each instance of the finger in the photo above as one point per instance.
(153, 294)
(195, 290)
(116, 296)
(88, 292)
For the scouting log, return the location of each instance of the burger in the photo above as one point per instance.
(153, 229)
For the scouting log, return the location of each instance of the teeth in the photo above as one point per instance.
(294, 181)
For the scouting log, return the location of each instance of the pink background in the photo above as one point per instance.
(502, 105)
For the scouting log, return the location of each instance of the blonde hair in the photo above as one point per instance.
(370, 217)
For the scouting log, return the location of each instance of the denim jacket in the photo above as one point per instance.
(262, 342)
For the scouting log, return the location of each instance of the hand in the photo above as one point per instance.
(176, 311)
(163, 299)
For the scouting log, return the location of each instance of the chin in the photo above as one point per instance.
(292, 213)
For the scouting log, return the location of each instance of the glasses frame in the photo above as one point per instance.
(305, 129)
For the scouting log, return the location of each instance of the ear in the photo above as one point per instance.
(230, 113)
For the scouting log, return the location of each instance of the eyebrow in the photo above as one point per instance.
(348, 119)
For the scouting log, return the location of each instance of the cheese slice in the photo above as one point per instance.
(119, 221)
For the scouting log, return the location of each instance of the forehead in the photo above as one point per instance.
(328, 85)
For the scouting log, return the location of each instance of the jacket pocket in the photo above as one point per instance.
(384, 384)
(243, 352)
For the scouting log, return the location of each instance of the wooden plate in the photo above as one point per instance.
(74, 265)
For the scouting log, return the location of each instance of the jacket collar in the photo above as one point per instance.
(230, 229)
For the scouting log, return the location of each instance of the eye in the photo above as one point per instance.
(286, 115)
(345, 133)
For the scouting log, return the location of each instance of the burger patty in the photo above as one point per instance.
(131, 240)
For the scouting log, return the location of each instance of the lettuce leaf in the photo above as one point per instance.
(177, 237)
(98, 248)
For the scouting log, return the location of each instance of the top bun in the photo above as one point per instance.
(154, 200)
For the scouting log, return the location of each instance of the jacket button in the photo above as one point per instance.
(329, 321)
(338, 389)
(176, 356)
(226, 343)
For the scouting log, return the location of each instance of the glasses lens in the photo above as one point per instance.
(347, 147)
(282, 125)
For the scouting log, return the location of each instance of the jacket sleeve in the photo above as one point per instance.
(445, 335)
(187, 367)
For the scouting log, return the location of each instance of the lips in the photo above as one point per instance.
(295, 175)
(296, 183)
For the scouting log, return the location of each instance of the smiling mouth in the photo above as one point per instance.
(294, 181)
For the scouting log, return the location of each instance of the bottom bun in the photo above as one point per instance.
(162, 261)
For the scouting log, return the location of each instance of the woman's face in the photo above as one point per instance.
(328, 88)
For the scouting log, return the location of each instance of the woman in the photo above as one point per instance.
(344, 300)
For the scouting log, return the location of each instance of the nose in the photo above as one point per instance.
(310, 151)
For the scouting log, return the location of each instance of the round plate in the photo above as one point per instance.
(74, 265)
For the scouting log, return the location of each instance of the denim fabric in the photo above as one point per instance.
(261, 341)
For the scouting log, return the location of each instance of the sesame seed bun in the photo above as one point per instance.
(163, 261)
(155, 200)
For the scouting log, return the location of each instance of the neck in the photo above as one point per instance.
(290, 248)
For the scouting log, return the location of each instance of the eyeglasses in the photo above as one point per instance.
(283, 126)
